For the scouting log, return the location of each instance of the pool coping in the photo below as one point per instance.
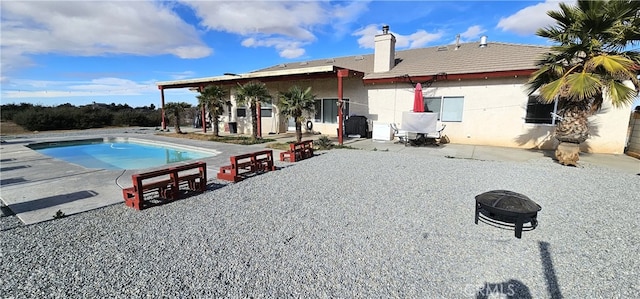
(35, 186)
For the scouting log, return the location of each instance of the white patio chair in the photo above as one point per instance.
(403, 136)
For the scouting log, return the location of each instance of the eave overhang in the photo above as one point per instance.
(451, 77)
(318, 72)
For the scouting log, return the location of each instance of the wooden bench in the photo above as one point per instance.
(166, 183)
(247, 164)
(298, 151)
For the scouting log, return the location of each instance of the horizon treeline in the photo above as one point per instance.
(70, 117)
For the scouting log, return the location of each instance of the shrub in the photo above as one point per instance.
(8, 111)
(138, 117)
(324, 142)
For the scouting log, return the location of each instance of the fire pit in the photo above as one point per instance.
(507, 209)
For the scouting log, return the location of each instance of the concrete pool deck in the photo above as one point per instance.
(35, 186)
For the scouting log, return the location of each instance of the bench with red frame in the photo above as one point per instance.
(166, 183)
(298, 151)
(247, 164)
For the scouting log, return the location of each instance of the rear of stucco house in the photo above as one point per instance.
(477, 88)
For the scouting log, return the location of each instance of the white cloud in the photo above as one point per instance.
(95, 88)
(293, 19)
(529, 19)
(418, 39)
(292, 52)
(472, 32)
(343, 16)
(286, 47)
(94, 28)
(367, 34)
(286, 26)
(415, 40)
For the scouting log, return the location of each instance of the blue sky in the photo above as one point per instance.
(78, 52)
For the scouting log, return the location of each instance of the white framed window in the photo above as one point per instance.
(541, 113)
(326, 110)
(266, 109)
(448, 108)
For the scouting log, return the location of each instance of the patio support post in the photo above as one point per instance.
(258, 120)
(164, 124)
(202, 112)
(341, 74)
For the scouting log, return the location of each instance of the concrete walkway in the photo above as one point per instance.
(35, 186)
(491, 153)
(477, 152)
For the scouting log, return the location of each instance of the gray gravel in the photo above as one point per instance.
(345, 224)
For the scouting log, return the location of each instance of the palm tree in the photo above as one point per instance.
(175, 110)
(295, 103)
(252, 92)
(588, 64)
(212, 97)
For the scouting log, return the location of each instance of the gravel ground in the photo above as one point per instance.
(345, 224)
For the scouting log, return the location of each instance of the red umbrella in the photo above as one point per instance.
(418, 100)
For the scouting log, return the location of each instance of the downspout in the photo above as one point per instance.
(341, 74)
(164, 124)
(202, 113)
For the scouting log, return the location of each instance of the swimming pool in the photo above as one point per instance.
(117, 153)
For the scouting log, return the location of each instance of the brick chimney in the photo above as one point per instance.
(384, 52)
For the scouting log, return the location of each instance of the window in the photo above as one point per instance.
(266, 109)
(327, 110)
(433, 104)
(241, 112)
(448, 108)
(540, 113)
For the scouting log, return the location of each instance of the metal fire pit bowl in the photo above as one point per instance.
(507, 209)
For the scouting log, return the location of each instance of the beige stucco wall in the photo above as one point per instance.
(322, 88)
(493, 114)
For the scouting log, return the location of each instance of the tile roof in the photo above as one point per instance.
(468, 58)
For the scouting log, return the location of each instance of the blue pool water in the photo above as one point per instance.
(117, 155)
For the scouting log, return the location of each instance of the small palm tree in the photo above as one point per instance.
(252, 93)
(588, 64)
(295, 103)
(212, 97)
(175, 111)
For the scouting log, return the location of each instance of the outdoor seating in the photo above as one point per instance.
(165, 183)
(417, 139)
(298, 151)
(245, 165)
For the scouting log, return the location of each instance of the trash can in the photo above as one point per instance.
(233, 127)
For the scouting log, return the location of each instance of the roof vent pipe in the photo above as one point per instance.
(483, 41)
(457, 41)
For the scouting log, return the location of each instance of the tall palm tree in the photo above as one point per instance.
(175, 111)
(588, 64)
(212, 97)
(295, 103)
(252, 93)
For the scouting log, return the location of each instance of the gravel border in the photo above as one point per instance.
(345, 224)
